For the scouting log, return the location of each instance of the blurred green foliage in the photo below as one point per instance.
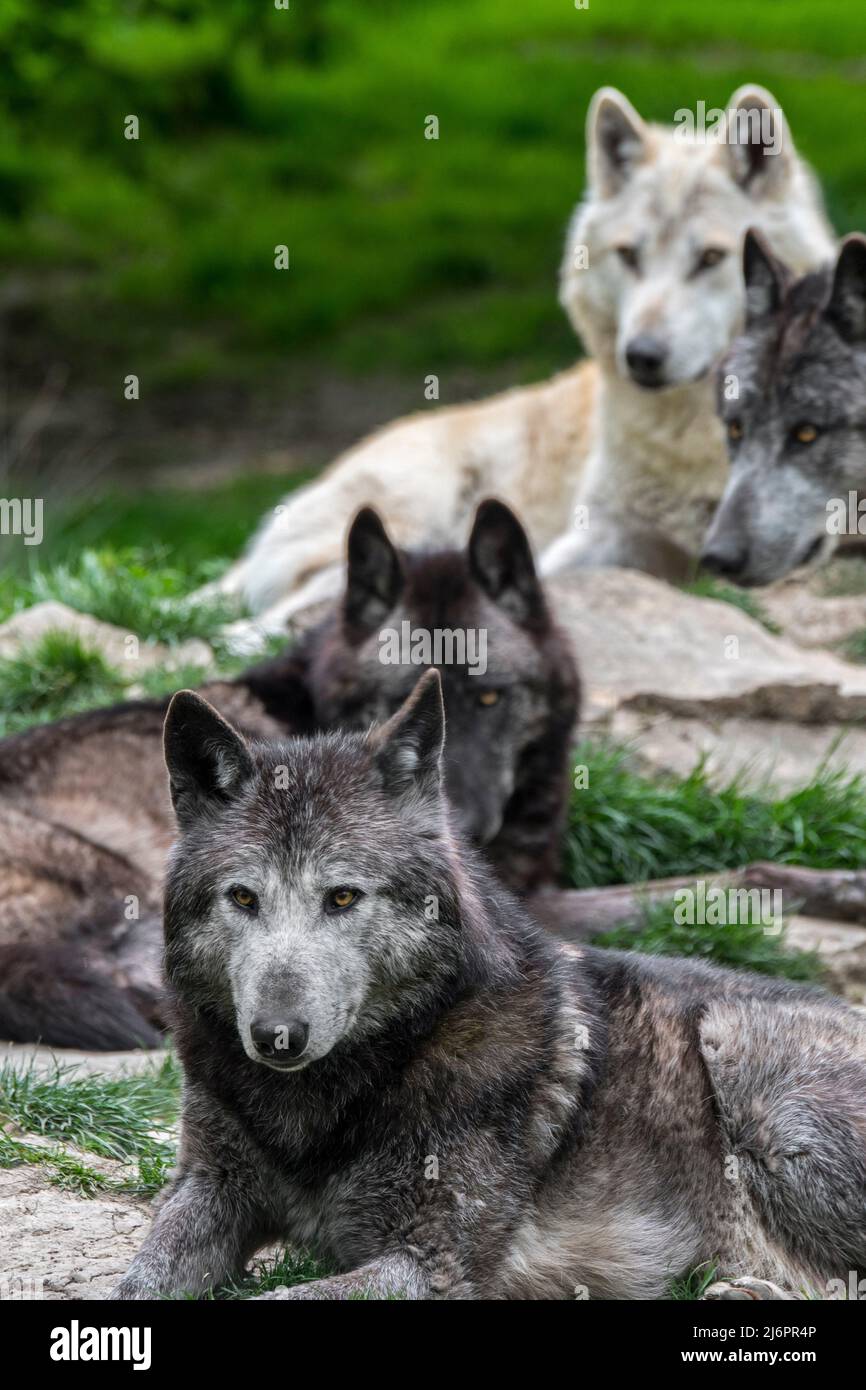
(261, 126)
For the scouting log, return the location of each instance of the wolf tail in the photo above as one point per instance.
(53, 995)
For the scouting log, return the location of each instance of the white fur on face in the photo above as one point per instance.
(680, 200)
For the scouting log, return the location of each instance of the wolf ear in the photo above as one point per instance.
(758, 145)
(765, 280)
(408, 749)
(500, 562)
(207, 760)
(846, 308)
(375, 576)
(616, 140)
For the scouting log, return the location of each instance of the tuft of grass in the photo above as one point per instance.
(136, 590)
(739, 945)
(625, 827)
(122, 1118)
(707, 587)
(57, 675)
(693, 1285)
(284, 1270)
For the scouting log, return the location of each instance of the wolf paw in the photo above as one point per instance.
(760, 1290)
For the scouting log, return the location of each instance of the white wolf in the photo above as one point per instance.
(620, 459)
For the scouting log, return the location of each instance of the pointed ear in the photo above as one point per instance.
(758, 147)
(846, 307)
(500, 562)
(207, 760)
(375, 575)
(408, 749)
(616, 140)
(765, 278)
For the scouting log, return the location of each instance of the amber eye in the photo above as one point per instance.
(341, 898)
(488, 698)
(735, 429)
(244, 898)
(806, 434)
(628, 256)
(711, 257)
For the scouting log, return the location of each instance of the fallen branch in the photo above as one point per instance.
(577, 914)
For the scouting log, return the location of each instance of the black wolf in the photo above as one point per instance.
(387, 1062)
(792, 397)
(85, 816)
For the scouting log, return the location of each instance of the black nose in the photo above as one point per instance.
(280, 1038)
(645, 357)
(726, 559)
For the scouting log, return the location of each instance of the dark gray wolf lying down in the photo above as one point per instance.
(385, 1060)
(85, 816)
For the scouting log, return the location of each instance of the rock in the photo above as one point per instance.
(45, 1060)
(841, 948)
(645, 646)
(59, 1245)
(131, 654)
(812, 619)
(765, 753)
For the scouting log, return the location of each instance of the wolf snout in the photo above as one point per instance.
(280, 1040)
(726, 557)
(645, 357)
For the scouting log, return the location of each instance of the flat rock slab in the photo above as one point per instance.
(45, 1060)
(58, 1245)
(647, 646)
(131, 653)
(765, 754)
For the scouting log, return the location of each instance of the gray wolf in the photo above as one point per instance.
(617, 460)
(792, 399)
(387, 1062)
(85, 816)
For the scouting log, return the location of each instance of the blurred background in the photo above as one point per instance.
(304, 127)
(260, 127)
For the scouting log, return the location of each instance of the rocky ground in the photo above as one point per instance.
(678, 677)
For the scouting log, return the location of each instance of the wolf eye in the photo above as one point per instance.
(628, 256)
(341, 898)
(735, 429)
(711, 257)
(806, 434)
(244, 898)
(488, 698)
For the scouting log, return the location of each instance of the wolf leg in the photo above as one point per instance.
(607, 543)
(395, 1276)
(202, 1235)
(250, 635)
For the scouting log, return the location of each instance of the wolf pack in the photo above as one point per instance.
(318, 878)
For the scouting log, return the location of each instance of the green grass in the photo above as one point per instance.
(261, 127)
(138, 591)
(56, 676)
(706, 587)
(625, 827)
(739, 945)
(120, 1118)
(694, 1285)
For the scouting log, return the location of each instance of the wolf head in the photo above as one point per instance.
(480, 617)
(792, 396)
(312, 881)
(651, 276)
